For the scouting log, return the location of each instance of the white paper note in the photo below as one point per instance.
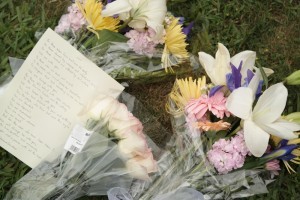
(40, 106)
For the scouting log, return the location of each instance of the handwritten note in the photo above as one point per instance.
(40, 106)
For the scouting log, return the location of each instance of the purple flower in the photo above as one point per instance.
(186, 30)
(283, 152)
(234, 79)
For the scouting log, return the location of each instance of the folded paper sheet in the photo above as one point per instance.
(41, 104)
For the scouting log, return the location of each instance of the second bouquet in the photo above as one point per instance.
(106, 149)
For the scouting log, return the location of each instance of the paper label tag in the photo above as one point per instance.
(77, 139)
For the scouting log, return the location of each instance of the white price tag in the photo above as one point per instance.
(77, 139)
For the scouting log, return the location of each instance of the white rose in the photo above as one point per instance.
(105, 108)
(134, 144)
(140, 166)
(123, 127)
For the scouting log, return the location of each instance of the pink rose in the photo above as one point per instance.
(133, 145)
(140, 166)
(136, 170)
(123, 127)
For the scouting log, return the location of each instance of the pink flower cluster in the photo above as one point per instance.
(273, 166)
(227, 155)
(74, 20)
(142, 42)
(129, 131)
(197, 108)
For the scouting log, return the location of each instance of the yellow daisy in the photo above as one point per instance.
(175, 46)
(183, 91)
(91, 10)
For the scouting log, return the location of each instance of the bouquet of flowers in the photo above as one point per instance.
(230, 135)
(110, 150)
(127, 39)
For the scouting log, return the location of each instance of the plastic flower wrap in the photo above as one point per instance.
(115, 154)
(128, 39)
(230, 136)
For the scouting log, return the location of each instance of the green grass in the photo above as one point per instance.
(269, 27)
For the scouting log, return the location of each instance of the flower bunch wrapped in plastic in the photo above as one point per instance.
(128, 39)
(230, 135)
(116, 153)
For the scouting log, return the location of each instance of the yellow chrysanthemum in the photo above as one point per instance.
(175, 46)
(91, 10)
(183, 91)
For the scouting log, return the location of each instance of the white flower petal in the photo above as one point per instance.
(136, 170)
(256, 139)
(221, 65)
(137, 24)
(158, 28)
(268, 71)
(248, 58)
(270, 104)
(253, 85)
(116, 7)
(207, 62)
(282, 128)
(240, 102)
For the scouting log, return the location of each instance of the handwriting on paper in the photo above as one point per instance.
(41, 104)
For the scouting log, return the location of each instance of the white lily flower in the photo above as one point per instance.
(264, 119)
(142, 13)
(217, 68)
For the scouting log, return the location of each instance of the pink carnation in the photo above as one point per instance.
(142, 42)
(196, 108)
(221, 160)
(227, 155)
(74, 20)
(273, 166)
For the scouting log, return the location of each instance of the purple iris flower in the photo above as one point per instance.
(283, 152)
(234, 79)
(180, 20)
(109, 1)
(186, 30)
(215, 89)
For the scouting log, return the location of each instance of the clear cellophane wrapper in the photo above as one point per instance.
(91, 172)
(184, 171)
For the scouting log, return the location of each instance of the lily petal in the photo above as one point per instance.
(271, 104)
(116, 7)
(268, 71)
(207, 62)
(282, 129)
(253, 85)
(256, 139)
(248, 58)
(221, 64)
(240, 102)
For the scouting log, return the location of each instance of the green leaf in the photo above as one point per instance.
(106, 35)
(264, 75)
(294, 78)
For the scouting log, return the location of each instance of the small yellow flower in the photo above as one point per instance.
(91, 10)
(175, 46)
(183, 91)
